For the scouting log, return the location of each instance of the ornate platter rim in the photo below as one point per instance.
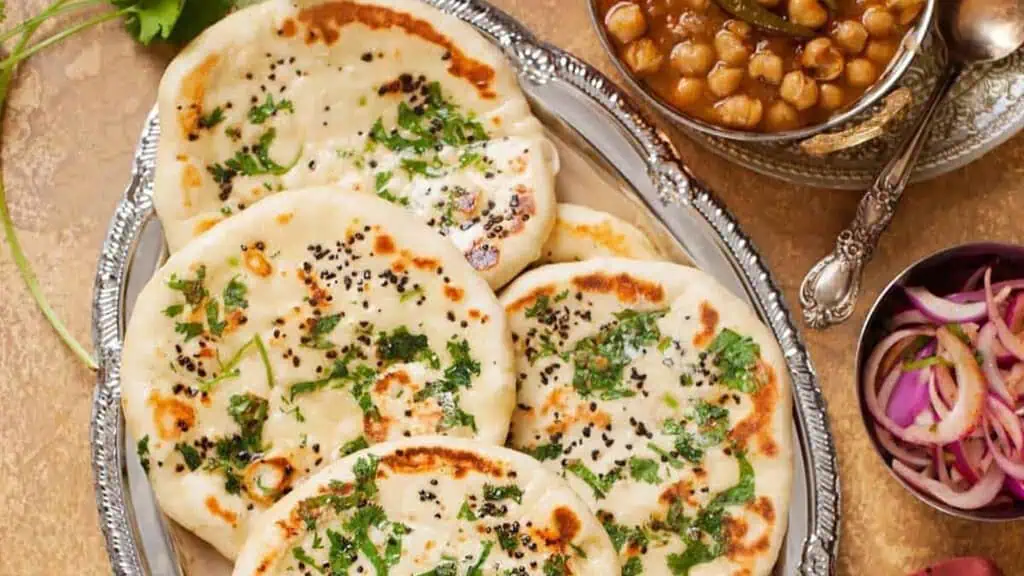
(677, 191)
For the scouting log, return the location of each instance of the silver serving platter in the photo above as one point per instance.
(605, 136)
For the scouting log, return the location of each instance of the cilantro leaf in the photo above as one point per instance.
(142, 449)
(498, 493)
(189, 454)
(353, 446)
(198, 15)
(601, 484)
(736, 356)
(545, 451)
(235, 295)
(174, 310)
(644, 470)
(260, 114)
(213, 318)
(466, 513)
(633, 567)
(147, 20)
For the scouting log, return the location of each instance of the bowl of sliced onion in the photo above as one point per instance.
(941, 380)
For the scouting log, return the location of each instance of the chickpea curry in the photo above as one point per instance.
(759, 65)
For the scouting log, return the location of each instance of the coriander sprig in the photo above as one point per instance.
(175, 21)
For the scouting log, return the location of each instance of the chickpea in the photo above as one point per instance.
(831, 97)
(880, 51)
(799, 90)
(739, 28)
(723, 80)
(860, 73)
(851, 36)
(730, 48)
(740, 111)
(698, 5)
(781, 117)
(824, 60)
(908, 10)
(626, 22)
(766, 67)
(808, 13)
(691, 59)
(878, 22)
(689, 91)
(643, 57)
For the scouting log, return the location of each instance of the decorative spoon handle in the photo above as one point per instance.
(829, 292)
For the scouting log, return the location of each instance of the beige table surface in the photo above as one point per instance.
(69, 133)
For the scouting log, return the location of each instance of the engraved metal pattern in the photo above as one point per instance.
(983, 110)
(677, 190)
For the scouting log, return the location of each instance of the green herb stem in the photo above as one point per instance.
(17, 253)
(55, 9)
(13, 59)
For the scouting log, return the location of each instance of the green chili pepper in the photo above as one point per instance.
(756, 15)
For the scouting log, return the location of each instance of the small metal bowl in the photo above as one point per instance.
(909, 48)
(944, 272)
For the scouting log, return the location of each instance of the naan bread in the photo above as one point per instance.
(582, 233)
(431, 506)
(385, 97)
(307, 327)
(666, 404)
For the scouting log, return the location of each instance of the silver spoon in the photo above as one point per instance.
(972, 31)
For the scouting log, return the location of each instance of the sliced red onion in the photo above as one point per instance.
(1002, 289)
(966, 458)
(910, 397)
(974, 280)
(940, 466)
(911, 457)
(942, 310)
(945, 384)
(908, 317)
(1015, 314)
(1009, 421)
(1015, 487)
(1012, 466)
(1008, 338)
(996, 383)
(938, 404)
(970, 403)
(977, 496)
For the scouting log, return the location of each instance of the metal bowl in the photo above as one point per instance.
(944, 272)
(909, 48)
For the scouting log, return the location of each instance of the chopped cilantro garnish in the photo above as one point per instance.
(404, 346)
(301, 556)
(413, 294)
(342, 553)
(213, 318)
(191, 288)
(174, 310)
(600, 360)
(457, 375)
(216, 116)
(353, 446)
(635, 537)
(319, 328)
(255, 162)
(189, 329)
(435, 122)
(260, 114)
(249, 412)
(736, 356)
(540, 308)
(499, 493)
(545, 451)
(190, 455)
(507, 537)
(235, 295)
(644, 470)
(477, 568)
(431, 169)
(466, 513)
(142, 449)
(633, 567)
(601, 484)
(666, 457)
(556, 565)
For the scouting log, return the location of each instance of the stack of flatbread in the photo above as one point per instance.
(322, 380)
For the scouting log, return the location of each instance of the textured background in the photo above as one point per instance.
(69, 133)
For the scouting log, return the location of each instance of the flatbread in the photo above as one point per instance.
(666, 404)
(582, 233)
(308, 326)
(386, 97)
(451, 506)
